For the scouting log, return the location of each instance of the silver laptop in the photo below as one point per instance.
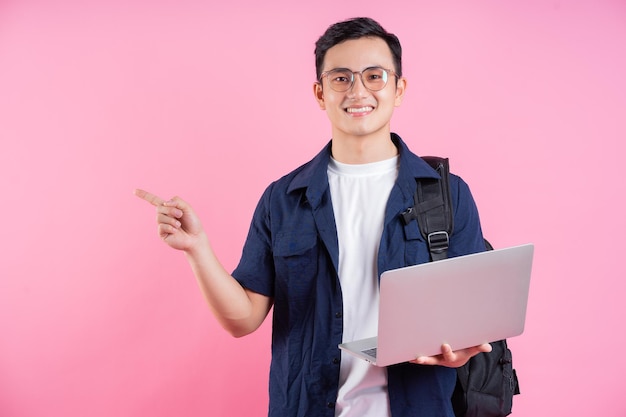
(463, 301)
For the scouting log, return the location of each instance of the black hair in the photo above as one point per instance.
(354, 29)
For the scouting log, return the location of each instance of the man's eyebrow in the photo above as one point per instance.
(365, 68)
(338, 68)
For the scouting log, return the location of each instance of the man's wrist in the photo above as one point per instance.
(199, 248)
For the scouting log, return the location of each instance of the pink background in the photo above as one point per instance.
(212, 102)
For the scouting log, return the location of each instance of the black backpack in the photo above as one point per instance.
(486, 384)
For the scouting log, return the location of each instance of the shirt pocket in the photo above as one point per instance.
(296, 260)
(415, 248)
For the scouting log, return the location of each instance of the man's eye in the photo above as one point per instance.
(375, 74)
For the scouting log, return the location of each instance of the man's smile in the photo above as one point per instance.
(359, 110)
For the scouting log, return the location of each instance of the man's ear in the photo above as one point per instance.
(400, 90)
(319, 95)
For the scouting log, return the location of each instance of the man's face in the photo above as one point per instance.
(359, 112)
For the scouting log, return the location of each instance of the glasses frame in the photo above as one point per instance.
(353, 77)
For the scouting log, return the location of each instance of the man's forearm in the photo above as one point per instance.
(238, 311)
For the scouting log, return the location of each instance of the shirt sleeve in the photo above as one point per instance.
(467, 235)
(256, 267)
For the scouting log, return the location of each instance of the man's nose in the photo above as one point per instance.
(358, 86)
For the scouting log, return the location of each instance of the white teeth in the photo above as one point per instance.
(359, 109)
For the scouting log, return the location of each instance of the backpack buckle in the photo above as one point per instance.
(438, 242)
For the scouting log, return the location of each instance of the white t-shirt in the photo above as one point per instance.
(359, 195)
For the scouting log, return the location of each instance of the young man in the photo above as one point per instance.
(320, 238)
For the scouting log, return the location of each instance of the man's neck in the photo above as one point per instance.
(363, 149)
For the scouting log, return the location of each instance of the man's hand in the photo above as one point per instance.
(178, 225)
(452, 359)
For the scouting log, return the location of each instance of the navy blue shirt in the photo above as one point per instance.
(291, 254)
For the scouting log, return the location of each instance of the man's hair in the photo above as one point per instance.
(354, 29)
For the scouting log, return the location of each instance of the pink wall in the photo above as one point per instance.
(99, 318)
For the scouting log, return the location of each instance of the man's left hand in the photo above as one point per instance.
(452, 359)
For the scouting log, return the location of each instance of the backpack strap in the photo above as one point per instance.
(432, 208)
(487, 382)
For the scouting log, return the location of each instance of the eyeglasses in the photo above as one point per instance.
(342, 79)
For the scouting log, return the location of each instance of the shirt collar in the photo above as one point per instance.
(314, 177)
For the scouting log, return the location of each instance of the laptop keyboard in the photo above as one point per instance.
(371, 352)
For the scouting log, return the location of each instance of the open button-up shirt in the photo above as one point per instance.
(291, 254)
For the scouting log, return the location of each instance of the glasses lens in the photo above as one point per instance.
(340, 80)
(375, 78)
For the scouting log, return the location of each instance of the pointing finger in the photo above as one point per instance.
(150, 198)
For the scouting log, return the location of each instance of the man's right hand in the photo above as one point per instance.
(240, 311)
(178, 224)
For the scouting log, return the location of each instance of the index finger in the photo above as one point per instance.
(150, 198)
